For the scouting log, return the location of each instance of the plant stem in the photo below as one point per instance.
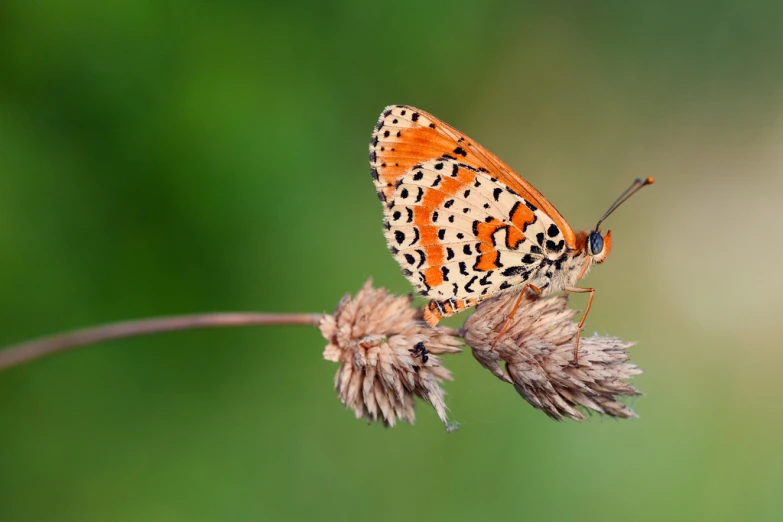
(31, 350)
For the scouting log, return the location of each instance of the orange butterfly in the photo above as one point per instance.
(465, 227)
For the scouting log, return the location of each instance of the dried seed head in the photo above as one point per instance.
(387, 355)
(538, 348)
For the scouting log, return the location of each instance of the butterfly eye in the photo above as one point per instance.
(595, 243)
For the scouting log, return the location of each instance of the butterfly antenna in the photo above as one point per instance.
(630, 191)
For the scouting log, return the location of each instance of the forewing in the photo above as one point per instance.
(405, 136)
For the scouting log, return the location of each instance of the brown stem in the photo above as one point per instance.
(31, 350)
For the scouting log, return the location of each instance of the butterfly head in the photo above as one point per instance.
(599, 245)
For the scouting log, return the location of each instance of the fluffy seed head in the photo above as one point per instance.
(538, 348)
(376, 336)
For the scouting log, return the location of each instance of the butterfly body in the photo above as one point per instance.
(462, 224)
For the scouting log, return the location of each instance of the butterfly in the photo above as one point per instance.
(465, 227)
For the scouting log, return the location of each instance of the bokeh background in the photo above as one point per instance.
(162, 157)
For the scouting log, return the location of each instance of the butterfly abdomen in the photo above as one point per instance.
(437, 310)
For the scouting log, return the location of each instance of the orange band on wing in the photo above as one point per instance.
(433, 276)
(488, 260)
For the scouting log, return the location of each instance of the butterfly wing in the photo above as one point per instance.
(463, 225)
(405, 136)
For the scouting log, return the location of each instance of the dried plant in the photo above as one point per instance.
(387, 355)
(538, 349)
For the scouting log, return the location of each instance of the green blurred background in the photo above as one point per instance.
(161, 157)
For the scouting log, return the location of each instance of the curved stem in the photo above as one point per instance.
(31, 350)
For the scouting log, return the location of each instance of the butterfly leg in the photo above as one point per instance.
(514, 311)
(575, 289)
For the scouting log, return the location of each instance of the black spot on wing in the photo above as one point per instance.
(416, 236)
(422, 258)
(552, 231)
(423, 281)
(469, 283)
(555, 247)
(512, 271)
